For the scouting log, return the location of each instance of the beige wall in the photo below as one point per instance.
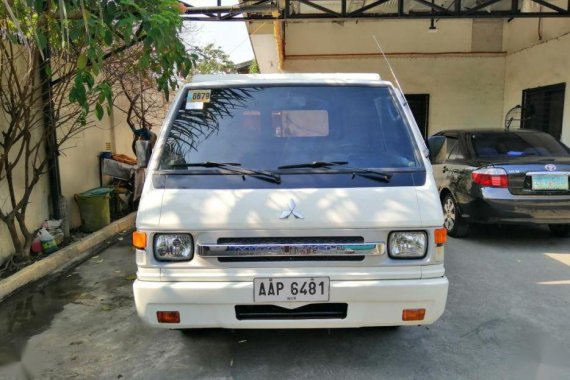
(461, 66)
(79, 163)
(465, 92)
(534, 63)
(395, 36)
(473, 70)
(523, 33)
(79, 172)
(38, 209)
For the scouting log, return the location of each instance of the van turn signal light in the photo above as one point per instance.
(139, 240)
(440, 236)
(413, 314)
(168, 316)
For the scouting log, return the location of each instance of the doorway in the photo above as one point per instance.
(419, 104)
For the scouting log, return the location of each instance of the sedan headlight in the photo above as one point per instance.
(173, 247)
(407, 244)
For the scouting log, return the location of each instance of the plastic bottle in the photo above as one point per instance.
(48, 242)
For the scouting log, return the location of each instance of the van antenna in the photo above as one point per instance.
(390, 67)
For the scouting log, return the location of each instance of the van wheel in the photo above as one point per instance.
(560, 230)
(453, 222)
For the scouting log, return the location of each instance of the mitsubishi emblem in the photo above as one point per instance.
(292, 206)
(550, 167)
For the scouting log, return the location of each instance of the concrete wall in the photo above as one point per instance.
(533, 62)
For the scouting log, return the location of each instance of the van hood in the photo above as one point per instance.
(312, 209)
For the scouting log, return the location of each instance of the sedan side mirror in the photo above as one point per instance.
(435, 144)
(142, 149)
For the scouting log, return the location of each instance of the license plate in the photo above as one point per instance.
(291, 289)
(550, 182)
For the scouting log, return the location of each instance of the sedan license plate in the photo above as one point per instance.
(550, 182)
(291, 289)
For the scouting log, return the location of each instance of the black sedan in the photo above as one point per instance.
(498, 176)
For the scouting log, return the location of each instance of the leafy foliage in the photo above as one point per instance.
(86, 31)
(254, 67)
(76, 38)
(212, 60)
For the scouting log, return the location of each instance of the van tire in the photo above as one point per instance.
(560, 230)
(453, 221)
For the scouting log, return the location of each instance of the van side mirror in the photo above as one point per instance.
(435, 143)
(143, 151)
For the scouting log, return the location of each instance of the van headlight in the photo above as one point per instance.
(173, 247)
(407, 244)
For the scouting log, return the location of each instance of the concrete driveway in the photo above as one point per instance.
(508, 317)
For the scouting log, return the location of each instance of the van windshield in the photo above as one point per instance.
(268, 127)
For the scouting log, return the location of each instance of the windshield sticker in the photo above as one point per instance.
(199, 96)
(194, 105)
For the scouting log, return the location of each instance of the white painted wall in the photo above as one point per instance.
(261, 35)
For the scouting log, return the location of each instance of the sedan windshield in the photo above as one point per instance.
(513, 144)
(268, 127)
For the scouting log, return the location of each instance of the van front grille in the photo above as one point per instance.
(312, 311)
(293, 240)
(291, 249)
(265, 259)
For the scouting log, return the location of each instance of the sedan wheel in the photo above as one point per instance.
(453, 222)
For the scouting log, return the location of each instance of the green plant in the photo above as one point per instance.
(212, 60)
(52, 58)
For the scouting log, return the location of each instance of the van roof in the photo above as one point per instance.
(248, 79)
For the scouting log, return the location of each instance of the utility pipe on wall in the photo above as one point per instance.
(51, 140)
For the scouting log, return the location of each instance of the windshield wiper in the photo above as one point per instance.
(233, 167)
(367, 173)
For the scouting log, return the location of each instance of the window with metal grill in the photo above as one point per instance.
(543, 109)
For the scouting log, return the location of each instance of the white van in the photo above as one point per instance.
(289, 201)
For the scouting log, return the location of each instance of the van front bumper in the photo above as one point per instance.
(212, 304)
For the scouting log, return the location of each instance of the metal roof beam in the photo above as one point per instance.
(263, 10)
(551, 6)
(370, 6)
(319, 7)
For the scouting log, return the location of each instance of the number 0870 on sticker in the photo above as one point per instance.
(288, 289)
